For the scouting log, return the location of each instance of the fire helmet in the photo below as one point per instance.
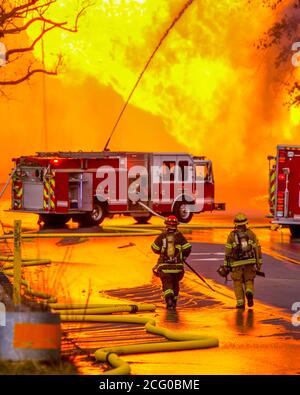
(171, 221)
(240, 219)
(222, 271)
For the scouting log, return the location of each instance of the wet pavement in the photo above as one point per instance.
(280, 287)
(258, 341)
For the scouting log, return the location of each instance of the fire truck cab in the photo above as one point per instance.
(284, 190)
(89, 186)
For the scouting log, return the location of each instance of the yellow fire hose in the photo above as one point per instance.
(179, 341)
(28, 290)
(104, 309)
(123, 231)
(25, 262)
(108, 231)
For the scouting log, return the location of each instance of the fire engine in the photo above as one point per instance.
(284, 193)
(59, 186)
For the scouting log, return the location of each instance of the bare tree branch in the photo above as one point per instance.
(31, 72)
(18, 29)
(31, 47)
(26, 77)
(16, 10)
(24, 14)
(36, 12)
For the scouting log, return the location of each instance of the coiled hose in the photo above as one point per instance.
(178, 341)
(28, 290)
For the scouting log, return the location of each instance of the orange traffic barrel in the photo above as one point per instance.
(30, 336)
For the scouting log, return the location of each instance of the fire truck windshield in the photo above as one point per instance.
(202, 172)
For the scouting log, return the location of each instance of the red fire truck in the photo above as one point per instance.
(89, 186)
(284, 194)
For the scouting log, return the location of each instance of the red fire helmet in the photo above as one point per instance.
(171, 220)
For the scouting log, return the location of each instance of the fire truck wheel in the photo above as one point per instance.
(54, 220)
(142, 220)
(183, 212)
(94, 218)
(295, 231)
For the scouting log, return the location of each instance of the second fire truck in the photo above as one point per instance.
(284, 195)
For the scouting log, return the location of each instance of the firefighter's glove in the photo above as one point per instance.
(178, 250)
(258, 266)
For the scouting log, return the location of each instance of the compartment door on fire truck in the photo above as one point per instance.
(163, 178)
(291, 174)
(33, 188)
(87, 192)
(81, 191)
(204, 184)
(137, 166)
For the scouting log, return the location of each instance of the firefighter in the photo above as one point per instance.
(242, 259)
(173, 249)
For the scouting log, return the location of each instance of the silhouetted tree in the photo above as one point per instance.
(282, 37)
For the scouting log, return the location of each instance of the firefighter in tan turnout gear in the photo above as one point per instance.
(173, 249)
(243, 258)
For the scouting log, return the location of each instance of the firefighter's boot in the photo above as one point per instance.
(249, 296)
(238, 286)
(239, 294)
(175, 300)
(250, 272)
(170, 303)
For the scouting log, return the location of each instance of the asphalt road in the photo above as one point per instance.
(280, 287)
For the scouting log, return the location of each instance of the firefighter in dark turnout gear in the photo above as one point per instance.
(242, 258)
(173, 249)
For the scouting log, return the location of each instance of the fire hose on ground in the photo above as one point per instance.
(110, 231)
(101, 313)
(119, 231)
(178, 341)
(24, 283)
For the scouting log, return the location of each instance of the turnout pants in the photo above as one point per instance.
(170, 284)
(243, 282)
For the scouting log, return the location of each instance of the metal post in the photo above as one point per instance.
(17, 263)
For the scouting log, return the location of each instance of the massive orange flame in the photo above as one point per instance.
(208, 90)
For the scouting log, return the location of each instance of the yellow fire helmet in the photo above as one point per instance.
(240, 219)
